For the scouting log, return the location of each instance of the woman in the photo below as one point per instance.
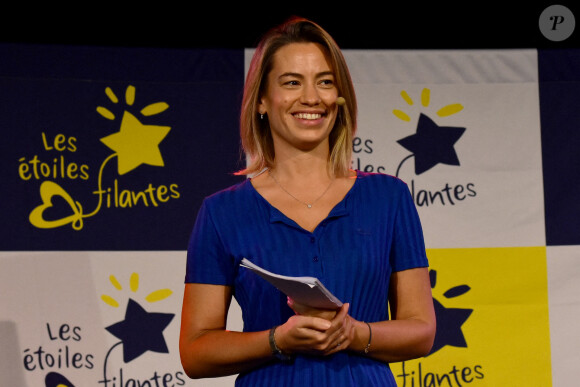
(303, 212)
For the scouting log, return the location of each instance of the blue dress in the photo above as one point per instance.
(373, 232)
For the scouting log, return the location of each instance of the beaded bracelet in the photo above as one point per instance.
(370, 337)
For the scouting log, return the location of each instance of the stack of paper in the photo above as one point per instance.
(308, 291)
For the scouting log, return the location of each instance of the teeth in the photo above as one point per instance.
(308, 116)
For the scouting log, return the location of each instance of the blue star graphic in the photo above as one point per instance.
(449, 322)
(141, 331)
(432, 144)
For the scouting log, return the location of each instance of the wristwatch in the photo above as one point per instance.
(275, 350)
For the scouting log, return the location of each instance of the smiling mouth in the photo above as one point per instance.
(308, 116)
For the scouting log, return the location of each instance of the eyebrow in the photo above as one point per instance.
(298, 75)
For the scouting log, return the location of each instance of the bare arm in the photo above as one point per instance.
(411, 331)
(207, 349)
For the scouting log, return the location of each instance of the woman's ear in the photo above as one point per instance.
(261, 107)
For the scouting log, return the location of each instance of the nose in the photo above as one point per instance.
(310, 95)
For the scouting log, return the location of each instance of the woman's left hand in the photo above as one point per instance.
(303, 310)
(342, 330)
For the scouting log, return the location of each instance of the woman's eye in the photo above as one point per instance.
(327, 82)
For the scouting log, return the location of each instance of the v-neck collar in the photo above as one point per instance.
(275, 215)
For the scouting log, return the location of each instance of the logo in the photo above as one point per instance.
(139, 332)
(479, 309)
(134, 144)
(54, 379)
(557, 23)
(449, 333)
(449, 320)
(431, 145)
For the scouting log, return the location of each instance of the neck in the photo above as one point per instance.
(302, 168)
(302, 165)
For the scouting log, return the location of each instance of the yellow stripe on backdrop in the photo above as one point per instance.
(493, 322)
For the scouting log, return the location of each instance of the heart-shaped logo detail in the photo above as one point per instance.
(48, 190)
(54, 379)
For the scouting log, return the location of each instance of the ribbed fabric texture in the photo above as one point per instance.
(372, 232)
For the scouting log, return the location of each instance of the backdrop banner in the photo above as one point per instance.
(108, 153)
(114, 149)
(462, 129)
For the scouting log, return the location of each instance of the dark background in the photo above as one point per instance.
(360, 24)
(357, 25)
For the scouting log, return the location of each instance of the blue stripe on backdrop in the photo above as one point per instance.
(559, 77)
(113, 148)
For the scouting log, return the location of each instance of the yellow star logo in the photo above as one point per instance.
(136, 143)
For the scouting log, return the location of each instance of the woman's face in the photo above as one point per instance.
(300, 97)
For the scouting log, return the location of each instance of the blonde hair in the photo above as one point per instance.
(255, 132)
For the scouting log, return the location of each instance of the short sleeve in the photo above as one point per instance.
(408, 245)
(207, 261)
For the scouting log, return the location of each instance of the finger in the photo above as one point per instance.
(293, 306)
(304, 310)
(338, 322)
(337, 346)
(301, 334)
(337, 342)
(342, 337)
(313, 323)
(343, 311)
